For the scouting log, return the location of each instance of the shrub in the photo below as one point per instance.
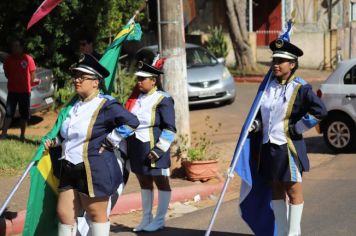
(216, 42)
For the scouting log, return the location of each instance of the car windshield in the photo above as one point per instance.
(199, 57)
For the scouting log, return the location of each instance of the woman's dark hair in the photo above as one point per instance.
(102, 86)
(158, 83)
(295, 67)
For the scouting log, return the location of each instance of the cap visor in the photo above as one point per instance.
(144, 74)
(86, 71)
(280, 55)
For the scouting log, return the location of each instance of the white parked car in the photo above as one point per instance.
(338, 93)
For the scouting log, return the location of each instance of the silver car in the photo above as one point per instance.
(41, 94)
(338, 93)
(209, 81)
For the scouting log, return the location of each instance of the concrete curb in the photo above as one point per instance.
(258, 79)
(132, 201)
(126, 204)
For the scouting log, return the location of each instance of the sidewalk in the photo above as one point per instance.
(182, 190)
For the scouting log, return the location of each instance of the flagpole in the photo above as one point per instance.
(16, 187)
(238, 150)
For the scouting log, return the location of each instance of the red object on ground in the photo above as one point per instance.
(18, 71)
(45, 8)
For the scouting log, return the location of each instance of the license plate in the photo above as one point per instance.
(207, 94)
(49, 100)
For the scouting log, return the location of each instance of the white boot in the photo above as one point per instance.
(67, 230)
(295, 217)
(280, 214)
(164, 198)
(147, 202)
(100, 229)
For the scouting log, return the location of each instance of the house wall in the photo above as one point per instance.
(312, 45)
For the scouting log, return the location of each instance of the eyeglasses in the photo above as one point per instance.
(82, 77)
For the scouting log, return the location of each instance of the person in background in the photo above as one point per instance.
(149, 148)
(86, 45)
(20, 70)
(89, 170)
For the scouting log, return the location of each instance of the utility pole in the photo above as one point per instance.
(175, 66)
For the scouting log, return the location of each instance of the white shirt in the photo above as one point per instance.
(75, 127)
(144, 109)
(273, 108)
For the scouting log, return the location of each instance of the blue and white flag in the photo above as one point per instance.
(255, 195)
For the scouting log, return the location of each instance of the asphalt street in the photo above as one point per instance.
(329, 191)
(330, 207)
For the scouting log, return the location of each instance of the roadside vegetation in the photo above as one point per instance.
(15, 155)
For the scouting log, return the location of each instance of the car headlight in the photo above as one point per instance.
(226, 74)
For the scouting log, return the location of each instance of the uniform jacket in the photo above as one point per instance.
(156, 132)
(304, 111)
(102, 169)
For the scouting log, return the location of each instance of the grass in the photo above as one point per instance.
(15, 155)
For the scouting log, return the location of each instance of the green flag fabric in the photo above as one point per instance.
(41, 216)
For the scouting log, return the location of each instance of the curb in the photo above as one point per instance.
(126, 204)
(132, 201)
(258, 79)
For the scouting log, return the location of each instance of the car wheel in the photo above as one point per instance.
(339, 133)
(2, 115)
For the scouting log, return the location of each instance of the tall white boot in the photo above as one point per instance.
(67, 230)
(280, 214)
(100, 229)
(295, 217)
(147, 202)
(164, 197)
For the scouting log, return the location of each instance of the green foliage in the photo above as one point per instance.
(53, 41)
(202, 146)
(216, 42)
(16, 155)
(123, 85)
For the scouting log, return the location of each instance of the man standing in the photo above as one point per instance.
(20, 71)
(86, 45)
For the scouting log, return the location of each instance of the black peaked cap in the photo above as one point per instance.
(88, 63)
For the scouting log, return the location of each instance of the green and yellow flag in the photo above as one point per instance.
(41, 217)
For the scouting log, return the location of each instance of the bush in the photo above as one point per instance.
(216, 42)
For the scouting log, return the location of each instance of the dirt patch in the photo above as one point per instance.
(39, 124)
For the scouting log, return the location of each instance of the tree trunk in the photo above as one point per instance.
(175, 68)
(236, 13)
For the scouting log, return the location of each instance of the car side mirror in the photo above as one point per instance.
(221, 60)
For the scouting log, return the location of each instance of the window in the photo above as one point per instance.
(350, 76)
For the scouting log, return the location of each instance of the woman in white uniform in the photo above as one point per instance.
(89, 171)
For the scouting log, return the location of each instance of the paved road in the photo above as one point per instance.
(330, 207)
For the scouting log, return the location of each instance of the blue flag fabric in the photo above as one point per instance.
(255, 195)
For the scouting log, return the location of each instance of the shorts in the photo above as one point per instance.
(23, 100)
(73, 177)
(276, 165)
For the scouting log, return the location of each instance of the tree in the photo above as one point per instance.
(54, 40)
(236, 13)
(175, 69)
